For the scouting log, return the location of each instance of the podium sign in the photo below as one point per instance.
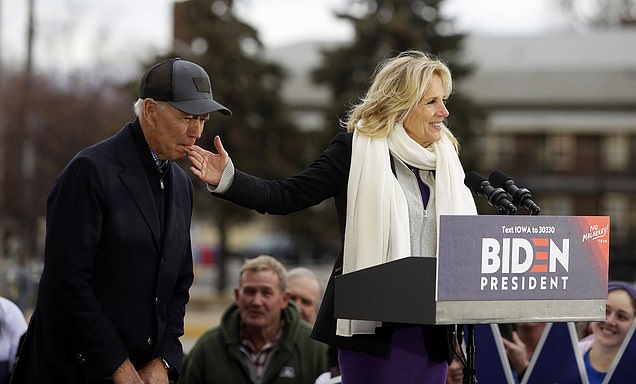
(490, 269)
(551, 268)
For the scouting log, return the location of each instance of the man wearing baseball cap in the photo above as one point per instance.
(117, 262)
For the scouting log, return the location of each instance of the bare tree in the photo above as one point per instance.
(61, 120)
(601, 13)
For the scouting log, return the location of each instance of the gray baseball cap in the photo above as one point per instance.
(182, 84)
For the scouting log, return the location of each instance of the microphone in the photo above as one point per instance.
(497, 197)
(520, 196)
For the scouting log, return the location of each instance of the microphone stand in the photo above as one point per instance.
(470, 372)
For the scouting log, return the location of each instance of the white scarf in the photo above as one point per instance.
(377, 222)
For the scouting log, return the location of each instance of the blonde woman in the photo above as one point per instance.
(392, 174)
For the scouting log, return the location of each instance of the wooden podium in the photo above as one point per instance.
(556, 265)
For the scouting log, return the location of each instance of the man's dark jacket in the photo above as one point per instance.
(116, 279)
(217, 356)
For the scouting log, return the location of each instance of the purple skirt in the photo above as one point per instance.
(408, 362)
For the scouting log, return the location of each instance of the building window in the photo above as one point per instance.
(615, 152)
(497, 150)
(557, 205)
(560, 152)
(616, 206)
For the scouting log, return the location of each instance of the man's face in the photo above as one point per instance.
(172, 130)
(305, 293)
(260, 299)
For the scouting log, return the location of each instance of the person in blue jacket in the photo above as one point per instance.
(601, 347)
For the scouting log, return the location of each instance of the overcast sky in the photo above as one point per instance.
(74, 34)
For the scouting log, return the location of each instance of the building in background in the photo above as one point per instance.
(562, 123)
(561, 119)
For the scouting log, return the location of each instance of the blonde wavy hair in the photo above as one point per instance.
(399, 83)
(265, 263)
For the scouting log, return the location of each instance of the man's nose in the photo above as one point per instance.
(257, 299)
(196, 128)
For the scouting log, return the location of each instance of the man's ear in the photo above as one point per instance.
(286, 296)
(150, 109)
(236, 296)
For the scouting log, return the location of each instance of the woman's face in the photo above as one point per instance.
(619, 316)
(424, 123)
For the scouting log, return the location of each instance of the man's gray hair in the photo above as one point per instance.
(265, 263)
(138, 107)
(306, 272)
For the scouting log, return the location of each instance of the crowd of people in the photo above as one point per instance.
(261, 338)
(118, 260)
